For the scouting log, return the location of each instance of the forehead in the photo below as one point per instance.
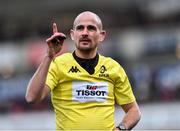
(86, 19)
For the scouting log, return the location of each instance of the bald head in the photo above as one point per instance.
(87, 15)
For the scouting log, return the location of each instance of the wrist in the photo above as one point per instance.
(48, 57)
(46, 60)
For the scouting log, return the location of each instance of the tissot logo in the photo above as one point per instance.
(83, 91)
(74, 69)
(103, 72)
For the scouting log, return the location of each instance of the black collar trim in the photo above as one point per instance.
(88, 64)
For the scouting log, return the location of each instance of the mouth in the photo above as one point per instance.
(85, 41)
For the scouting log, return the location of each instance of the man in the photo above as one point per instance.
(84, 85)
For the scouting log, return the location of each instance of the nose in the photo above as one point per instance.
(85, 32)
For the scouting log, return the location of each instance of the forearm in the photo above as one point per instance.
(131, 118)
(37, 83)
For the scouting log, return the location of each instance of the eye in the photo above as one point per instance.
(80, 27)
(91, 28)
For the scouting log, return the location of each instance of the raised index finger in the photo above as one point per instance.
(55, 29)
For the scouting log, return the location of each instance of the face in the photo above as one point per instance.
(86, 33)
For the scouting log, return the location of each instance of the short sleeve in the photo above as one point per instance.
(123, 89)
(52, 76)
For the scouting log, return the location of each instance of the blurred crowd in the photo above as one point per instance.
(144, 37)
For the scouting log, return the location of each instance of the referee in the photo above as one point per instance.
(84, 85)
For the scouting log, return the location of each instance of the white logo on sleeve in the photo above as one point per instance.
(89, 91)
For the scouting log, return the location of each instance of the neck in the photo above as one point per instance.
(85, 54)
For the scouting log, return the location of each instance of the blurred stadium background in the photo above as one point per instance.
(142, 35)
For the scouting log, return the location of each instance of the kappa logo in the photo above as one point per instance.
(103, 72)
(74, 69)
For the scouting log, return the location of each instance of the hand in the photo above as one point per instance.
(55, 42)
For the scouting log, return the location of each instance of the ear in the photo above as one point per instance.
(102, 35)
(72, 34)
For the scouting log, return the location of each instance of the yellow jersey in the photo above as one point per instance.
(83, 101)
